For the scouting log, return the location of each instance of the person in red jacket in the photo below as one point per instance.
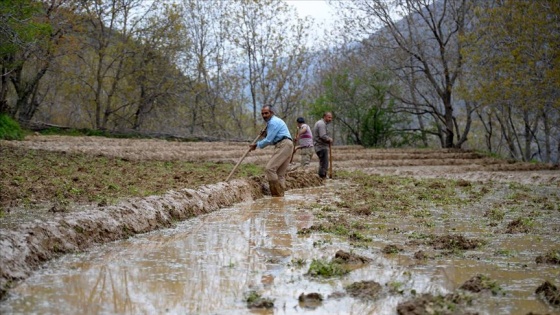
(304, 138)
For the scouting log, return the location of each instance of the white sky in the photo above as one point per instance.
(317, 9)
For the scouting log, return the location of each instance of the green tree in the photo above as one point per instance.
(358, 96)
(514, 61)
(27, 48)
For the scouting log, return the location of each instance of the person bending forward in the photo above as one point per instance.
(278, 135)
(305, 139)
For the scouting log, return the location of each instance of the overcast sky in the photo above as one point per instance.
(318, 9)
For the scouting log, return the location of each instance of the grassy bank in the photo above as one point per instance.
(30, 178)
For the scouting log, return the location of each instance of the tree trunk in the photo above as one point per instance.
(463, 138)
(488, 128)
(547, 142)
(27, 104)
(4, 108)
(507, 133)
(449, 134)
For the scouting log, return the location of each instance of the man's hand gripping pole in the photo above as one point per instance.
(244, 155)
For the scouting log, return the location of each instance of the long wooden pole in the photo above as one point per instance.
(295, 145)
(293, 153)
(244, 155)
(330, 160)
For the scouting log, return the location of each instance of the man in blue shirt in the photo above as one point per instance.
(277, 134)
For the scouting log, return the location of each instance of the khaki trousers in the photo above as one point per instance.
(306, 154)
(277, 166)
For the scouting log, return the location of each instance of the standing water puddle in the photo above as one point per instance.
(208, 264)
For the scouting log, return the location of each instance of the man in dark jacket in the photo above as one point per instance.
(321, 143)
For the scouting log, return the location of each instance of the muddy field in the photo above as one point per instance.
(424, 163)
(430, 204)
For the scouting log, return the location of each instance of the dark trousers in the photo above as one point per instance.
(323, 155)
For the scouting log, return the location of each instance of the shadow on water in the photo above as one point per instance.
(208, 264)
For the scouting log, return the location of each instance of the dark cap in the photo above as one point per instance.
(300, 120)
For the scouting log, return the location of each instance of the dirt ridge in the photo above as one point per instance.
(25, 249)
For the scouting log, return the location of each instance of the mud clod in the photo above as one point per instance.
(550, 293)
(362, 210)
(364, 290)
(350, 259)
(310, 300)
(480, 283)
(454, 242)
(551, 257)
(391, 249)
(420, 255)
(256, 301)
(517, 226)
(450, 304)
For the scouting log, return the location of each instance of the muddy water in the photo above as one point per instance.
(206, 265)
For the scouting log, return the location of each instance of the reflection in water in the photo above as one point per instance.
(207, 264)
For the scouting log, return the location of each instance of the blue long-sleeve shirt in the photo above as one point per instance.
(276, 128)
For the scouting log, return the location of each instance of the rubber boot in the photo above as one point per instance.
(276, 188)
(279, 189)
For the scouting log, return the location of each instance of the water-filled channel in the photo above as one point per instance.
(208, 264)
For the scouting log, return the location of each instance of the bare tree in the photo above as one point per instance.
(207, 24)
(157, 45)
(272, 47)
(112, 25)
(422, 39)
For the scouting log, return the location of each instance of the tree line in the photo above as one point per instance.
(426, 73)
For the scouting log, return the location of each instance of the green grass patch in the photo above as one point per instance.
(37, 176)
(326, 269)
(255, 300)
(10, 129)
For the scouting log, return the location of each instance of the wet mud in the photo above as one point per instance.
(422, 232)
(27, 246)
(256, 257)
